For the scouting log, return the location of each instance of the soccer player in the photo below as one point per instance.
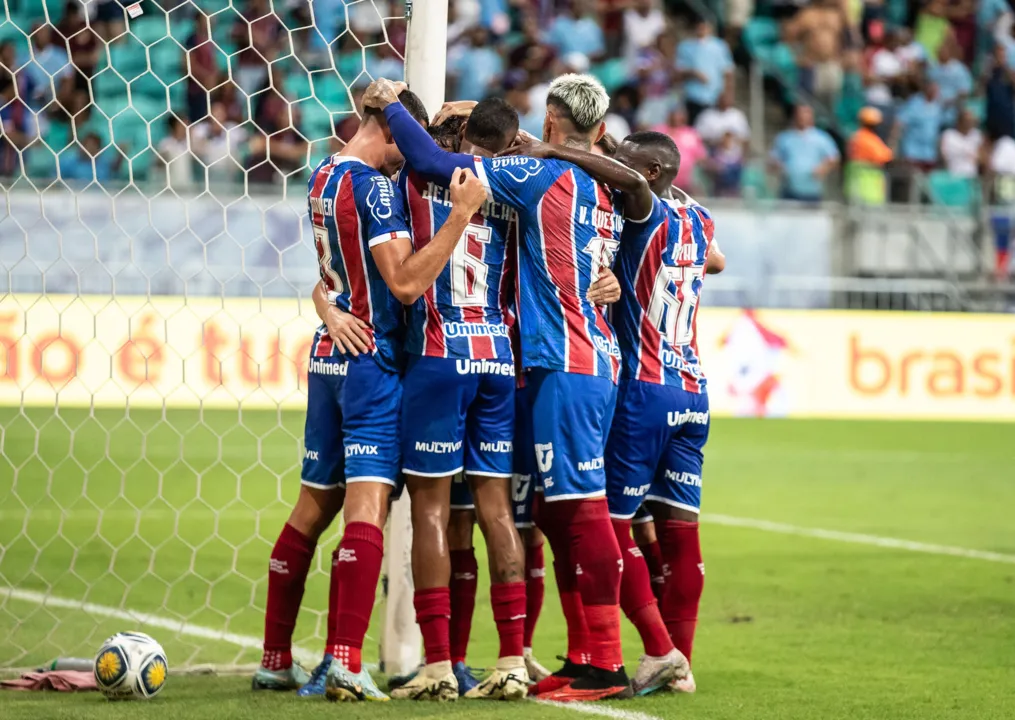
(352, 430)
(567, 231)
(661, 421)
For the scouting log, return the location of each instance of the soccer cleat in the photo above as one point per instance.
(595, 684)
(466, 680)
(508, 681)
(536, 671)
(685, 684)
(345, 686)
(563, 677)
(397, 681)
(436, 681)
(655, 673)
(288, 678)
(314, 687)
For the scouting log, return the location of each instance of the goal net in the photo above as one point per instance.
(156, 267)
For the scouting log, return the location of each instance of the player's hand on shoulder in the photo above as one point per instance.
(348, 332)
(382, 92)
(467, 192)
(605, 290)
(455, 108)
(529, 147)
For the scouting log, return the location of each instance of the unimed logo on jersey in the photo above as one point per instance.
(321, 366)
(679, 418)
(594, 464)
(501, 446)
(544, 456)
(684, 478)
(357, 449)
(441, 448)
(604, 345)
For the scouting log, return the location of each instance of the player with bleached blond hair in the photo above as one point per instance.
(568, 233)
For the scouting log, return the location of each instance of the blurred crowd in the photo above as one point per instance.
(248, 92)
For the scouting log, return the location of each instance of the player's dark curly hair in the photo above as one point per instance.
(607, 144)
(446, 134)
(492, 125)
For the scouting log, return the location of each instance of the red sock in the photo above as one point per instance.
(567, 586)
(636, 598)
(433, 613)
(508, 602)
(654, 560)
(682, 552)
(355, 568)
(595, 557)
(287, 576)
(535, 590)
(464, 572)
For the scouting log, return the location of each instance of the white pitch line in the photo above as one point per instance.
(858, 538)
(152, 621)
(601, 710)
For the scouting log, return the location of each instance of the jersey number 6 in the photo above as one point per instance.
(673, 302)
(468, 270)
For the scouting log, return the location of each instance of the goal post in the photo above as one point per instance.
(155, 325)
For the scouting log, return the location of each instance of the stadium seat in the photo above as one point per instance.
(760, 33)
(949, 191)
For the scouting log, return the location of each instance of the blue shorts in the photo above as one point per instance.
(655, 447)
(571, 417)
(351, 433)
(523, 480)
(457, 415)
(461, 495)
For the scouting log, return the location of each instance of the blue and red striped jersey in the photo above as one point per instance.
(660, 266)
(568, 232)
(353, 207)
(462, 315)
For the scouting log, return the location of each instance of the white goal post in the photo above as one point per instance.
(154, 330)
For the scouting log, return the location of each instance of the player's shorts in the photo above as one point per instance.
(571, 417)
(642, 515)
(457, 414)
(461, 495)
(352, 428)
(523, 481)
(655, 447)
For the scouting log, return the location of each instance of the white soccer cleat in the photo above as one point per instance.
(435, 681)
(684, 684)
(341, 685)
(508, 681)
(534, 668)
(655, 673)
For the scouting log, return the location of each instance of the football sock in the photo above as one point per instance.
(433, 613)
(355, 568)
(508, 602)
(653, 555)
(567, 586)
(535, 590)
(464, 572)
(287, 576)
(682, 553)
(636, 598)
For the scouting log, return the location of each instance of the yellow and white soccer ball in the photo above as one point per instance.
(130, 665)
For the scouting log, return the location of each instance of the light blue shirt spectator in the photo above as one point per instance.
(989, 11)
(476, 68)
(710, 56)
(800, 151)
(921, 118)
(954, 81)
(582, 35)
(44, 69)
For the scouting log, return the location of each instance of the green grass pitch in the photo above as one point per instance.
(174, 514)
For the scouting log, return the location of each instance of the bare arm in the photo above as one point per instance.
(638, 196)
(408, 275)
(715, 263)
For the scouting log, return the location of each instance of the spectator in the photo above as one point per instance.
(89, 163)
(887, 71)
(19, 123)
(817, 32)
(82, 40)
(477, 67)
(953, 79)
(385, 63)
(528, 120)
(868, 154)
(961, 146)
(577, 30)
(994, 19)
(48, 69)
(1000, 182)
(962, 15)
(202, 56)
(215, 142)
(174, 154)
(919, 125)
(726, 166)
(705, 65)
(715, 122)
(1000, 92)
(804, 156)
(692, 149)
(932, 27)
(643, 24)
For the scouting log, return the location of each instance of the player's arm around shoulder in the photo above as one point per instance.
(408, 274)
(349, 333)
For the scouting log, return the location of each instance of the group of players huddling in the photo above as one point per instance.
(465, 335)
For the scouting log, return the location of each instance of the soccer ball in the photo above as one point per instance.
(130, 665)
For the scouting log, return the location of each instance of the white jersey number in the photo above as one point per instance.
(601, 250)
(324, 258)
(670, 312)
(469, 272)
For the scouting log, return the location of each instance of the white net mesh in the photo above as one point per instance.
(155, 322)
